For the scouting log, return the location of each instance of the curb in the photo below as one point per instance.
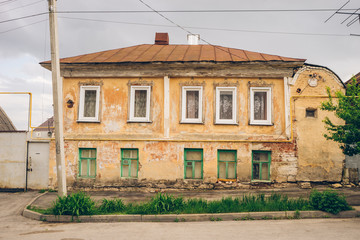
(31, 214)
(190, 217)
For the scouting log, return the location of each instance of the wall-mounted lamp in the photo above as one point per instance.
(70, 103)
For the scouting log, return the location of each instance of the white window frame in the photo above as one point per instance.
(82, 118)
(184, 119)
(268, 120)
(132, 118)
(234, 112)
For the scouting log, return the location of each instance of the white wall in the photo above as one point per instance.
(12, 159)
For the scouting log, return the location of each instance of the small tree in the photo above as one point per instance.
(348, 109)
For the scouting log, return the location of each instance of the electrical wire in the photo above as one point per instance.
(13, 29)
(202, 39)
(207, 28)
(7, 2)
(210, 11)
(24, 17)
(30, 4)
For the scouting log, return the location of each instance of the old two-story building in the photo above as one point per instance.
(189, 115)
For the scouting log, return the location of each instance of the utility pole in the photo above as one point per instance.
(57, 100)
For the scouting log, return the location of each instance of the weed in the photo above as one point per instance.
(176, 220)
(39, 210)
(247, 218)
(111, 206)
(265, 218)
(329, 201)
(297, 214)
(75, 204)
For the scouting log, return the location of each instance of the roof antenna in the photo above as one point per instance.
(337, 11)
(350, 22)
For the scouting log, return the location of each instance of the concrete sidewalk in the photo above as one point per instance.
(352, 195)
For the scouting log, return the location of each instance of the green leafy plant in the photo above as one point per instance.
(329, 201)
(164, 203)
(111, 206)
(75, 204)
(346, 108)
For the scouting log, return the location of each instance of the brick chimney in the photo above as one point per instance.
(161, 39)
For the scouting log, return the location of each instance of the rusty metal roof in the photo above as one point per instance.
(175, 53)
(356, 77)
(46, 126)
(5, 123)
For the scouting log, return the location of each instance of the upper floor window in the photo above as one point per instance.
(89, 103)
(139, 104)
(260, 105)
(191, 111)
(225, 105)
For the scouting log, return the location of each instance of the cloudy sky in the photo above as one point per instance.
(300, 33)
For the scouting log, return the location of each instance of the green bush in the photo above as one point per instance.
(75, 204)
(111, 206)
(329, 201)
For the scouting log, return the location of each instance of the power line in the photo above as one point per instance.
(209, 11)
(23, 26)
(202, 39)
(24, 17)
(22, 6)
(206, 28)
(7, 2)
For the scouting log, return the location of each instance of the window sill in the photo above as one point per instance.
(261, 124)
(223, 123)
(139, 121)
(188, 122)
(87, 121)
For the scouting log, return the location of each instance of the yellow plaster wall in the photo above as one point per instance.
(165, 161)
(242, 128)
(309, 158)
(318, 159)
(113, 107)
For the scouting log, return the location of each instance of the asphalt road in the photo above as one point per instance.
(14, 226)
